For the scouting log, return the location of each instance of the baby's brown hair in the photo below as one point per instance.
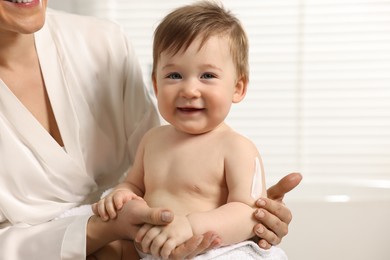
(179, 29)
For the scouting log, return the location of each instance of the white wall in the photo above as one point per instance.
(68, 5)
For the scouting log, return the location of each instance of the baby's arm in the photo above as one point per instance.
(233, 222)
(227, 220)
(245, 180)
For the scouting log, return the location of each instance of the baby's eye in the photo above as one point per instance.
(174, 76)
(208, 76)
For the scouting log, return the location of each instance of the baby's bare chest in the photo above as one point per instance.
(196, 167)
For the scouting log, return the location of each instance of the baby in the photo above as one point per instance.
(198, 166)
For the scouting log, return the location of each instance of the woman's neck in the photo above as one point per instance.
(16, 49)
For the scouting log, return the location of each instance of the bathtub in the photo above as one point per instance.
(339, 220)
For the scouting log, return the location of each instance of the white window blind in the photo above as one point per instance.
(319, 93)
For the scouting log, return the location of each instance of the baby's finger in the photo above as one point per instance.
(149, 237)
(118, 202)
(157, 244)
(94, 209)
(142, 232)
(166, 250)
(110, 208)
(102, 210)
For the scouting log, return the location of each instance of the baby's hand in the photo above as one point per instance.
(161, 240)
(107, 207)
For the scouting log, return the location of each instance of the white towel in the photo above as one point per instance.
(244, 250)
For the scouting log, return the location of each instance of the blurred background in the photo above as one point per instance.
(318, 103)
(319, 93)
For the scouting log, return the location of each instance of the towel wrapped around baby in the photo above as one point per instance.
(240, 251)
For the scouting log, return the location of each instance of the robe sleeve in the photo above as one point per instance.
(58, 239)
(139, 104)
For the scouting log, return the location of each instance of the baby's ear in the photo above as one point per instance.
(240, 90)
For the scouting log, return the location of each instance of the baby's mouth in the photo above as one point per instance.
(189, 109)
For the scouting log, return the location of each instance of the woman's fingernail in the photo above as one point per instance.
(260, 230)
(215, 241)
(260, 213)
(166, 216)
(261, 203)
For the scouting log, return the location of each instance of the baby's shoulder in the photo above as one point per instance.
(234, 141)
(233, 137)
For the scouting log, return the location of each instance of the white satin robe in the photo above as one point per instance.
(95, 86)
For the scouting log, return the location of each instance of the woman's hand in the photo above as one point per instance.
(196, 245)
(160, 241)
(135, 213)
(130, 218)
(273, 215)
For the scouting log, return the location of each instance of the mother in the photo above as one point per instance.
(72, 110)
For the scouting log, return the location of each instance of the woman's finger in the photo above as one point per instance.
(196, 245)
(285, 185)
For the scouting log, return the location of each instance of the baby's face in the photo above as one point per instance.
(195, 88)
